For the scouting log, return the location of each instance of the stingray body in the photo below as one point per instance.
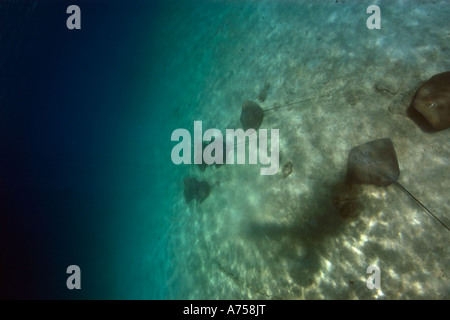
(194, 189)
(375, 163)
(252, 115)
(432, 100)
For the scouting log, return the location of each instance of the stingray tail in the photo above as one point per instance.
(420, 203)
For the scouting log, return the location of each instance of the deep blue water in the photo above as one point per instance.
(73, 142)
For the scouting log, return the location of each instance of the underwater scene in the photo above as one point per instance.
(327, 176)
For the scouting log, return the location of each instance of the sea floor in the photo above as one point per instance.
(307, 235)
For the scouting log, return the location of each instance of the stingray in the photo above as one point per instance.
(194, 189)
(252, 115)
(432, 100)
(375, 163)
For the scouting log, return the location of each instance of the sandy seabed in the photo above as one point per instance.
(306, 235)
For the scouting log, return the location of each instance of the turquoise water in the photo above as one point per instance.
(88, 177)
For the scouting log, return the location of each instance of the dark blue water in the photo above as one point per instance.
(76, 155)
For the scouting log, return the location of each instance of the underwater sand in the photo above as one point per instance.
(275, 237)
